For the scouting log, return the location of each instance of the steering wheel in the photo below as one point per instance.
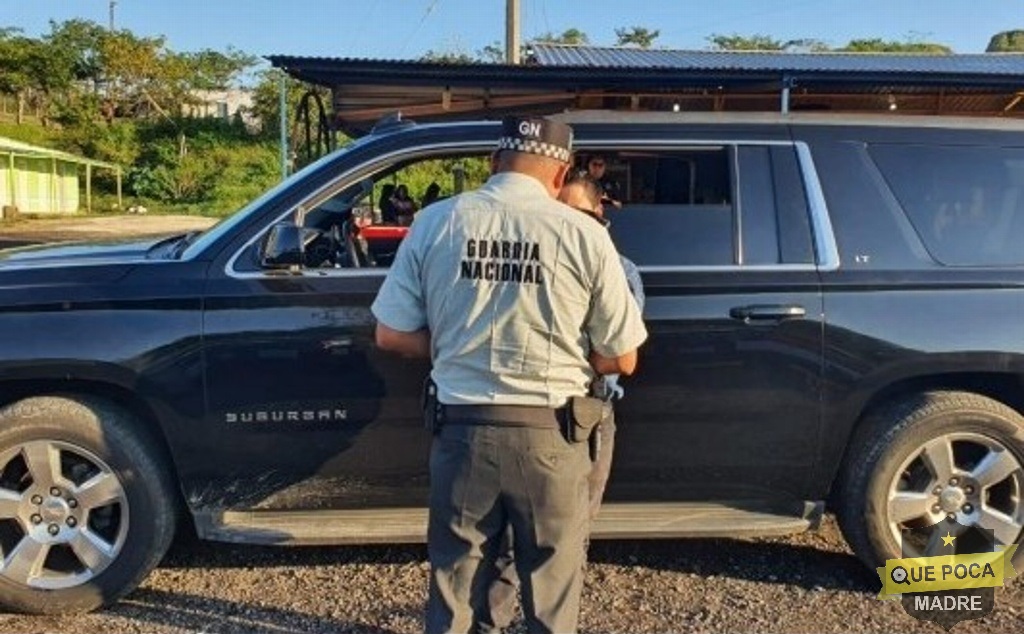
(325, 250)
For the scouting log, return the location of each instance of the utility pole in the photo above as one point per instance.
(113, 3)
(512, 31)
(283, 117)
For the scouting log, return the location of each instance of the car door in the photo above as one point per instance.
(725, 403)
(311, 415)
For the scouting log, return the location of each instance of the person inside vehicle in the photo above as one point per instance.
(388, 215)
(432, 194)
(597, 167)
(403, 205)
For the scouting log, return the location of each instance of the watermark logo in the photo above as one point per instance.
(948, 573)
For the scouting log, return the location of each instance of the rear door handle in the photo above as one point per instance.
(338, 346)
(767, 312)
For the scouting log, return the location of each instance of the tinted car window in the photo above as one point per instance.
(759, 228)
(712, 207)
(966, 203)
(677, 208)
(794, 224)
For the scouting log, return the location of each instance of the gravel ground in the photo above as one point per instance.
(16, 232)
(806, 583)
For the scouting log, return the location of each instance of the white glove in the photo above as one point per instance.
(612, 387)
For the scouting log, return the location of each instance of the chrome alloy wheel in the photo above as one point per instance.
(63, 515)
(968, 477)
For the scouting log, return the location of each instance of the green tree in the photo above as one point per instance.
(909, 45)
(636, 36)
(756, 42)
(493, 53)
(143, 78)
(78, 45)
(570, 37)
(447, 57)
(213, 70)
(15, 75)
(1007, 42)
(31, 71)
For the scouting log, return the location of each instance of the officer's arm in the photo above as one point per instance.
(408, 344)
(615, 327)
(624, 364)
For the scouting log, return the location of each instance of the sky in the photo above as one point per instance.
(405, 29)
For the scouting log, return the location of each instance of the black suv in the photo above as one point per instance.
(836, 309)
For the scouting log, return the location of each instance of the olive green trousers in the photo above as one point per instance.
(487, 481)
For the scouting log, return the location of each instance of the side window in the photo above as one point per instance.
(714, 206)
(676, 207)
(965, 203)
(362, 225)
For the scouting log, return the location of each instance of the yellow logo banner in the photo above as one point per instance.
(945, 572)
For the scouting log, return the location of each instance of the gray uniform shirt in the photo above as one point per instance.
(515, 288)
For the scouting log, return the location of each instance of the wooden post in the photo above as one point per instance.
(88, 188)
(282, 109)
(14, 183)
(53, 186)
(119, 205)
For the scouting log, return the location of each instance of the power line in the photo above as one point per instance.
(430, 8)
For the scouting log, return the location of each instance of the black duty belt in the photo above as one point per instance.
(504, 415)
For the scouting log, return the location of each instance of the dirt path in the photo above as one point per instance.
(97, 227)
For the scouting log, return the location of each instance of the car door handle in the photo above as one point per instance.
(337, 345)
(767, 312)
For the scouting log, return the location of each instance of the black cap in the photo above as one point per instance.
(536, 136)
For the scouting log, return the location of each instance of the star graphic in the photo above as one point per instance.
(948, 540)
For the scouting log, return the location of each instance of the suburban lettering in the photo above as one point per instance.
(281, 416)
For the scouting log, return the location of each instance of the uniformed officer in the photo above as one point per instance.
(518, 301)
(584, 194)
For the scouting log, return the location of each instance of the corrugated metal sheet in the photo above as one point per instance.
(24, 149)
(998, 64)
(557, 78)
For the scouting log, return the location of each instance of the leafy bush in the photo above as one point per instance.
(218, 168)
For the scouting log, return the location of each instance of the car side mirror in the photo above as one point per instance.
(283, 248)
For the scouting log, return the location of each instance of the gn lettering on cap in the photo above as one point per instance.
(552, 139)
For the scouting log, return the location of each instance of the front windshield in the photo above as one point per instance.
(226, 225)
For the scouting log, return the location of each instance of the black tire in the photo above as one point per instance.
(897, 432)
(81, 430)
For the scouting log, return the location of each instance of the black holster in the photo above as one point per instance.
(433, 412)
(583, 422)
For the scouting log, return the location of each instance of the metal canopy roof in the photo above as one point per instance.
(558, 78)
(986, 66)
(17, 148)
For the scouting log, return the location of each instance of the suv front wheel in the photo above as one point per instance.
(929, 457)
(87, 508)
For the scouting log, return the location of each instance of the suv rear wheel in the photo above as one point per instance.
(926, 458)
(86, 504)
